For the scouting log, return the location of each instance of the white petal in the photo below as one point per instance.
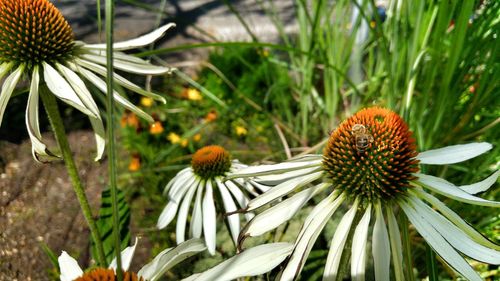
(457, 238)
(120, 80)
(380, 246)
(281, 212)
(338, 242)
(178, 176)
(69, 268)
(358, 252)
(136, 42)
(309, 232)
(251, 262)
(456, 219)
(439, 244)
(482, 185)
(101, 85)
(282, 189)
(61, 88)
(126, 257)
(167, 215)
(276, 179)
(38, 148)
(169, 258)
(234, 219)
(196, 227)
(79, 87)
(8, 86)
(453, 154)
(239, 196)
(179, 188)
(183, 212)
(128, 66)
(209, 218)
(396, 247)
(445, 188)
(99, 134)
(284, 167)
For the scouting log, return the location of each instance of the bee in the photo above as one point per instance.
(362, 137)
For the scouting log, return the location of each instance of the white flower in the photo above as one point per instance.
(209, 166)
(70, 270)
(42, 47)
(371, 164)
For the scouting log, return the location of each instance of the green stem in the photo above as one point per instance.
(405, 236)
(111, 135)
(50, 103)
(430, 260)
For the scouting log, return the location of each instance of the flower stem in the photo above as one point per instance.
(430, 260)
(405, 236)
(50, 104)
(110, 115)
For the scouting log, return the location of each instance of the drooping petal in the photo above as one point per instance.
(61, 88)
(457, 238)
(99, 135)
(338, 242)
(178, 190)
(126, 257)
(209, 218)
(180, 226)
(196, 227)
(38, 148)
(169, 258)
(239, 196)
(380, 246)
(101, 85)
(281, 212)
(167, 215)
(251, 262)
(281, 190)
(234, 219)
(8, 86)
(358, 252)
(453, 154)
(309, 232)
(482, 185)
(445, 188)
(140, 41)
(120, 80)
(69, 268)
(128, 66)
(276, 179)
(181, 174)
(439, 244)
(455, 218)
(396, 247)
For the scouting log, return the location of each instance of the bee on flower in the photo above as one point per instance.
(38, 43)
(375, 183)
(193, 188)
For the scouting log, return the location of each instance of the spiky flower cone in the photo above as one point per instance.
(33, 31)
(371, 154)
(211, 161)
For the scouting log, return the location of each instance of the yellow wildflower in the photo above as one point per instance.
(211, 116)
(129, 119)
(174, 138)
(241, 131)
(184, 142)
(146, 102)
(197, 137)
(192, 94)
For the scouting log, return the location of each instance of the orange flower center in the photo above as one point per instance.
(371, 154)
(104, 274)
(32, 31)
(211, 161)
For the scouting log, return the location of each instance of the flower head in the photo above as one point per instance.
(371, 165)
(71, 271)
(196, 183)
(173, 138)
(156, 128)
(36, 40)
(240, 131)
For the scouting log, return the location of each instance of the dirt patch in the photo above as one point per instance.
(38, 205)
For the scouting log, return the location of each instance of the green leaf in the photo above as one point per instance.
(105, 224)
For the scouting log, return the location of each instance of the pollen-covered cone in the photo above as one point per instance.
(371, 166)
(36, 42)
